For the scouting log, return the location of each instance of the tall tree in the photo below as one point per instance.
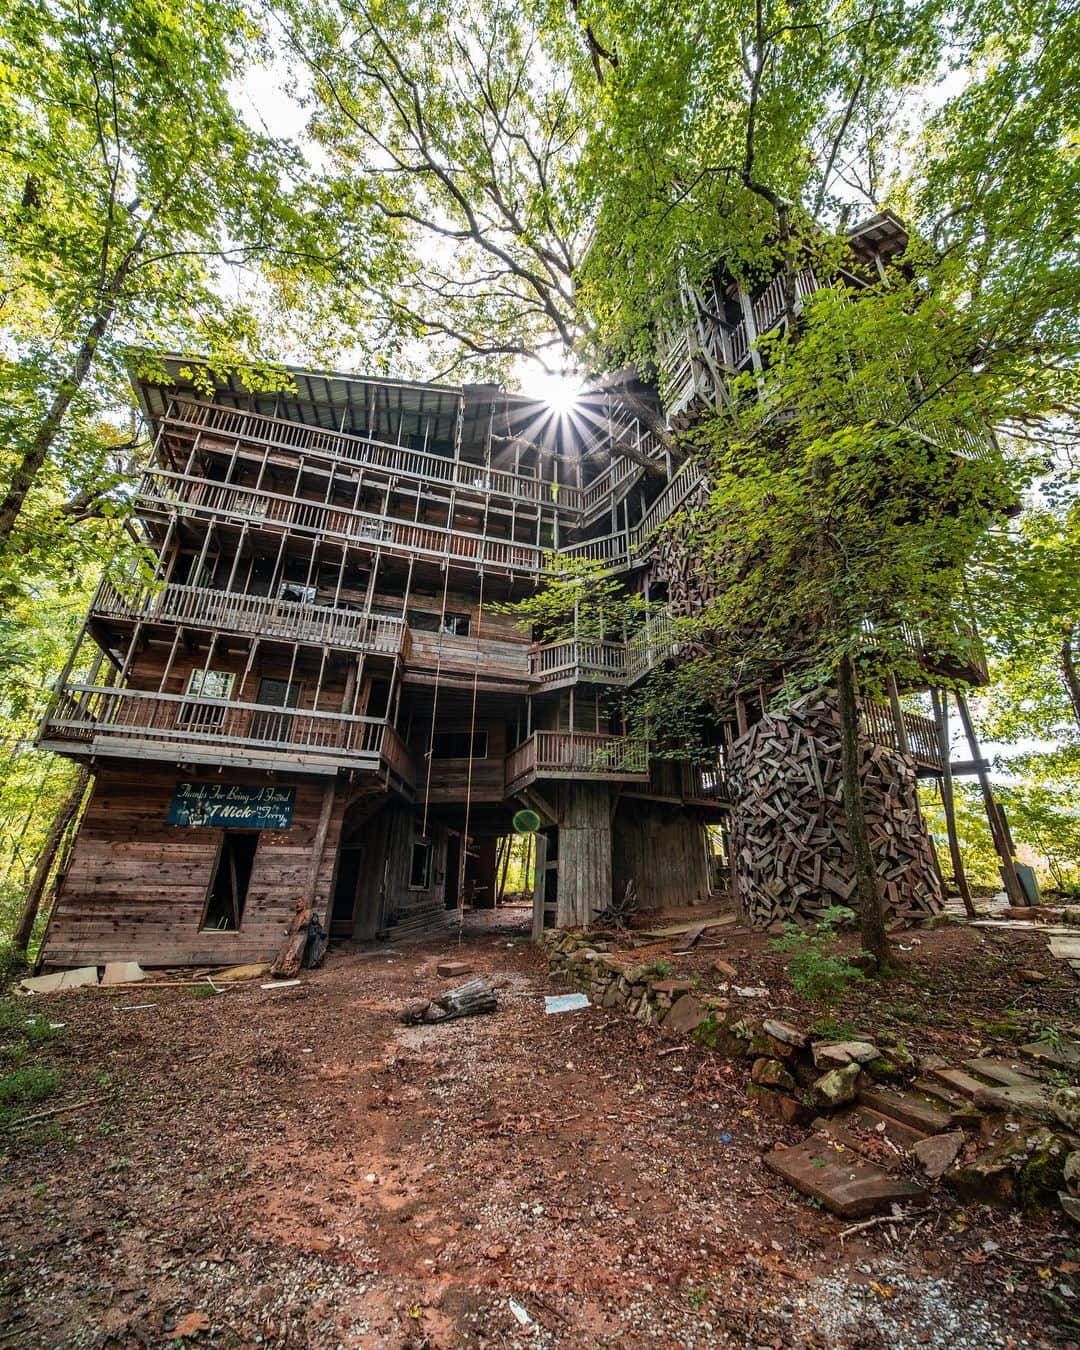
(462, 124)
(133, 190)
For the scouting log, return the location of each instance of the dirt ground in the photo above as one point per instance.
(294, 1167)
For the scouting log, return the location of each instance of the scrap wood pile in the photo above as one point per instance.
(789, 828)
(478, 996)
(620, 912)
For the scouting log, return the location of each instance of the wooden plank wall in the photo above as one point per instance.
(585, 880)
(136, 887)
(660, 848)
(383, 893)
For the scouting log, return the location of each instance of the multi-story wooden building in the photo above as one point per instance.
(316, 694)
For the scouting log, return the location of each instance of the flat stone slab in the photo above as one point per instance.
(1063, 1054)
(1030, 1100)
(846, 1184)
(60, 979)
(909, 1110)
(452, 969)
(685, 1016)
(938, 1153)
(785, 1033)
(833, 1054)
(123, 972)
(1001, 1071)
(1066, 948)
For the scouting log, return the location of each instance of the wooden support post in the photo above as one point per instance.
(317, 847)
(948, 803)
(1013, 889)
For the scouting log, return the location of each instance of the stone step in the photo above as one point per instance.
(918, 1111)
(845, 1183)
(966, 1084)
(1027, 1100)
(864, 1117)
(1008, 1074)
(935, 1092)
(1062, 1054)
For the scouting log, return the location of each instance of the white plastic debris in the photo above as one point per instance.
(280, 984)
(560, 1003)
(519, 1312)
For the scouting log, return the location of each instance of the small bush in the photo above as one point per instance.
(817, 970)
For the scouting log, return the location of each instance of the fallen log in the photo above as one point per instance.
(477, 996)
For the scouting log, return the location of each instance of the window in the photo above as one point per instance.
(420, 866)
(211, 683)
(229, 886)
(275, 726)
(206, 684)
(424, 621)
(455, 745)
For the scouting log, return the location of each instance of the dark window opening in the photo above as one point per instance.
(455, 745)
(229, 888)
(420, 866)
(424, 621)
(378, 698)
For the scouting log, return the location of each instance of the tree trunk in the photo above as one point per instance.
(1068, 670)
(868, 903)
(62, 820)
(27, 470)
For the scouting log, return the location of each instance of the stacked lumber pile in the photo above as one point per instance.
(675, 563)
(792, 851)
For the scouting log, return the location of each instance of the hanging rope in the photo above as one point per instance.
(435, 697)
(468, 778)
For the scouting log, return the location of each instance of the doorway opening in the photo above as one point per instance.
(228, 890)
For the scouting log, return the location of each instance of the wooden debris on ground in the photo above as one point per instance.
(305, 943)
(619, 913)
(478, 996)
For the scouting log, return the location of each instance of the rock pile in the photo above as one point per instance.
(992, 1131)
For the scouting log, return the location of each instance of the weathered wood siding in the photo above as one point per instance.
(136, 887)
(585, 880)
(661, 849)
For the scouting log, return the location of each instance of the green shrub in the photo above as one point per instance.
(816, 969)
(30, 1084)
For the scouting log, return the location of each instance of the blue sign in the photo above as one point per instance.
(232, 806)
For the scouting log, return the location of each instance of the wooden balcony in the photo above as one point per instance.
(213, 423)
(913, 736)
(591, 756)
(255, 615)
(133, 723)
(163, 493)
(702, 355)
(555, 664)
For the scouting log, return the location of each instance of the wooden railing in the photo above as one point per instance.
(191, 495)
(581, 504)
(576, 754)
(83, 712)
(619, 663)
(201, 607)
(914, 736)
(188, 494)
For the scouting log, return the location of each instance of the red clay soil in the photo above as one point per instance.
(295, 1167)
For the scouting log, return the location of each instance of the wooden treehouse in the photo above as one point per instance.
(316, 693)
